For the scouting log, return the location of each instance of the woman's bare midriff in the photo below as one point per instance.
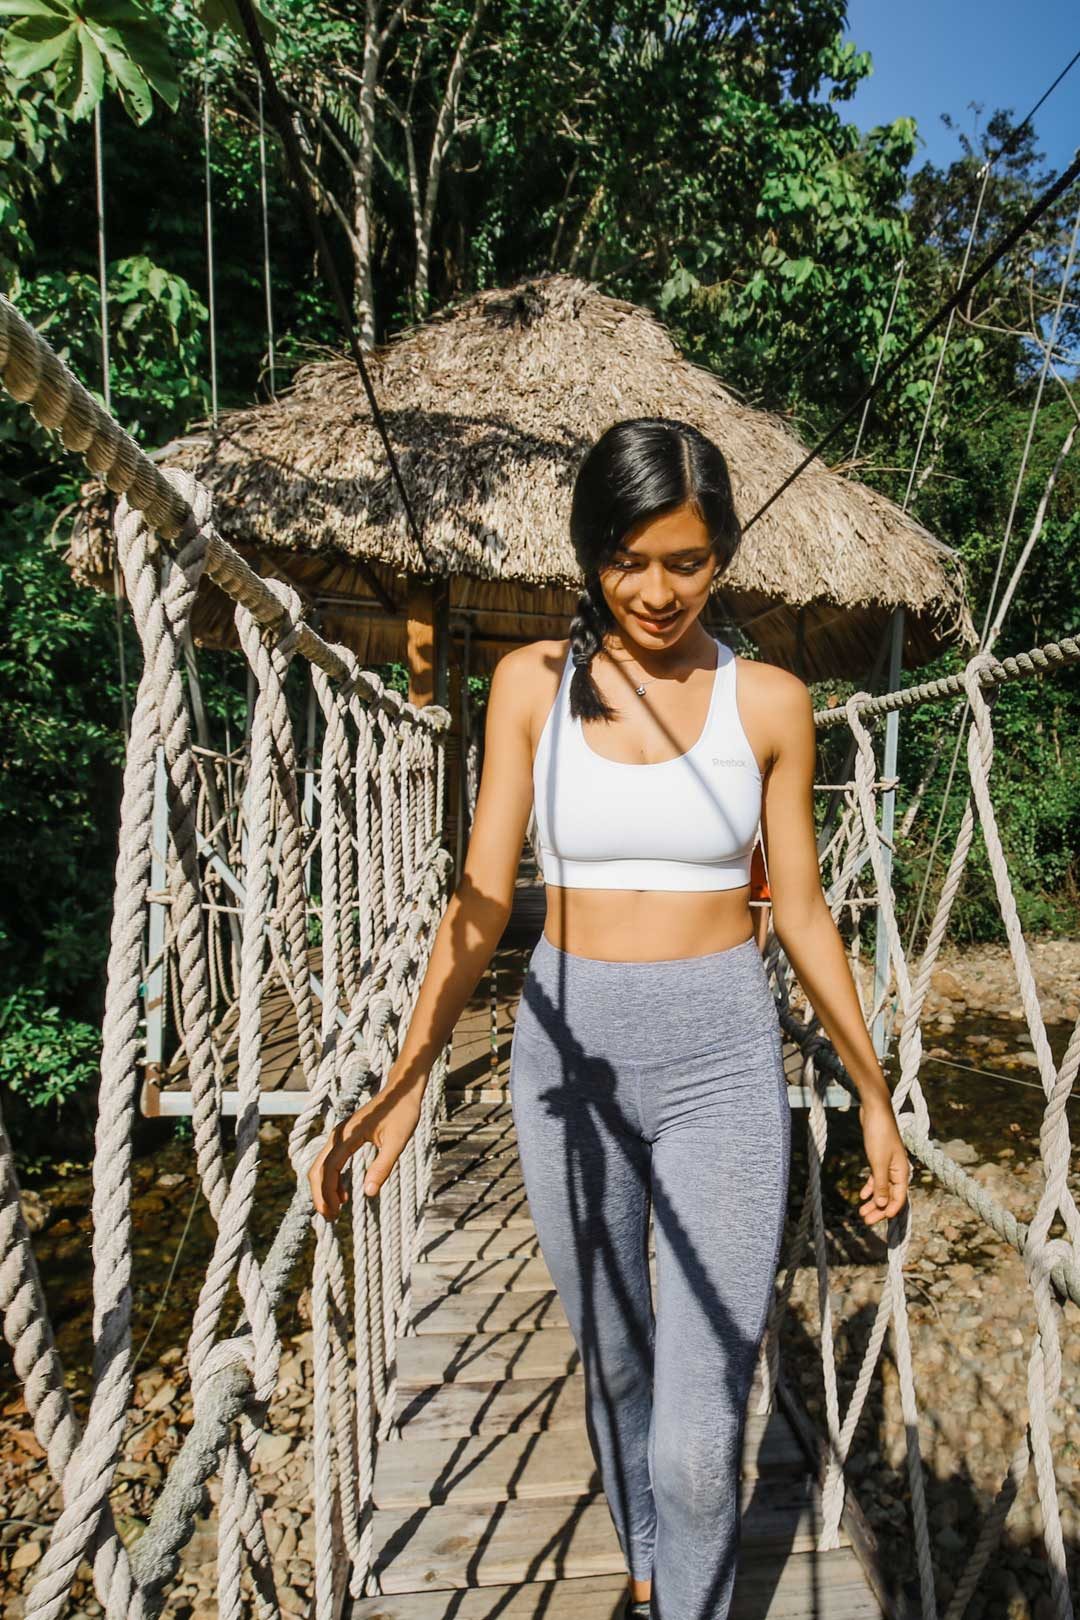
(640, 925)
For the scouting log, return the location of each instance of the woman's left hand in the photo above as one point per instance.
(885, 1190)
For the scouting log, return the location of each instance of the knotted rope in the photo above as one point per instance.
(1052, 1266)
(384, 883)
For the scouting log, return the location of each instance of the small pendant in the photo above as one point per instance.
(640, 690)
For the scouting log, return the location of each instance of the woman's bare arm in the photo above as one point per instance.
(464, 943)
(478, 909)
(804, 926)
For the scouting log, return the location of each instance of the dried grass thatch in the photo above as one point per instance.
(490, 407)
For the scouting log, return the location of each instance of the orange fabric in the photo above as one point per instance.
(759, 882)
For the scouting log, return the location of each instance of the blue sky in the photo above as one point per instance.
(934, 56)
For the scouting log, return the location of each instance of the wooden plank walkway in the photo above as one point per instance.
(487, 1502)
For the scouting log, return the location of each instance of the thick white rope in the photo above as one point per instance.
(233, 1377)
(1052, 1266)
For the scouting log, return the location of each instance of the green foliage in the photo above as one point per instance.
(45, 1059)
(218, 14)
(61, 744)
(157, 339)
(817, 255)
(27, 125)
(1040, 830)
(88, 47)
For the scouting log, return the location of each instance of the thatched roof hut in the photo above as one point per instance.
(490, 406)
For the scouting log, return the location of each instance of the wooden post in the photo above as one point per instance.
(420, 642)
(454, 766)
(428, 644)
(441, 625)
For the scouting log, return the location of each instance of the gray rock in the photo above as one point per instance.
(961, 1151)
(34, 1208)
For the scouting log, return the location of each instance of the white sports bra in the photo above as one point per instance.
(684, 823)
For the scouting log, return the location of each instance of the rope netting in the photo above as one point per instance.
(1051, 1263)
(384, 880)
(234, 889)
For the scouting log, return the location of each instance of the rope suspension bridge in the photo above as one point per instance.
(448, 1468)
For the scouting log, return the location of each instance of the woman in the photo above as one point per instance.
(646, 1071)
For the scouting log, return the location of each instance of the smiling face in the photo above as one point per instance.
(658, 581)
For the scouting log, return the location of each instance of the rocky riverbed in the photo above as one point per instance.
(981, 979)
(971, 1322)
(969, 1307)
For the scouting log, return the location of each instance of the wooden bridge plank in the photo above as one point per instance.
(503, 1178)
(479, 1276)
(525, 1404)
(486, 1356)
(809, 1586)
(434, 1358)
(492, 1090)
(472, 1207)
(482, 1468)
(487, 1313)
(497, 1129)
(459, 1243)
(459, 1113)
(444, 1243)
(484, 1276)
(476, 1114)
(449, 1546)
(484, 1154)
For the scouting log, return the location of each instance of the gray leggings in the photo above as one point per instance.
(638, 1084)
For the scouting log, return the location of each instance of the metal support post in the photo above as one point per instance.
(879, 1032)
(156, 982)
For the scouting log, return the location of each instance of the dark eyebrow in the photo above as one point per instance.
(687, 551)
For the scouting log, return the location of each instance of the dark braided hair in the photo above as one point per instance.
(638, 468)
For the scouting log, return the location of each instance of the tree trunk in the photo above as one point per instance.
(363, 177)
(445, 127)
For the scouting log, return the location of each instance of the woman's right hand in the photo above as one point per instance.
(388, 1120)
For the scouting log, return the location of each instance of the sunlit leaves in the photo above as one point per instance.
(157, 333)
(89, 46)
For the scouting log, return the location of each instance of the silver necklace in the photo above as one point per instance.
(640, 690)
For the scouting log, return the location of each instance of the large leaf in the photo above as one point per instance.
(66, 70)
(91, 75)
(119, 14)
(33, 45)
(131, 86)
(35, 8)
(146, 44)
(113, 43)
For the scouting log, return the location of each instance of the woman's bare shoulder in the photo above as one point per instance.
(778, 706)
(533, 671)
(536, 662)
(771, 681)
(536, 653)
